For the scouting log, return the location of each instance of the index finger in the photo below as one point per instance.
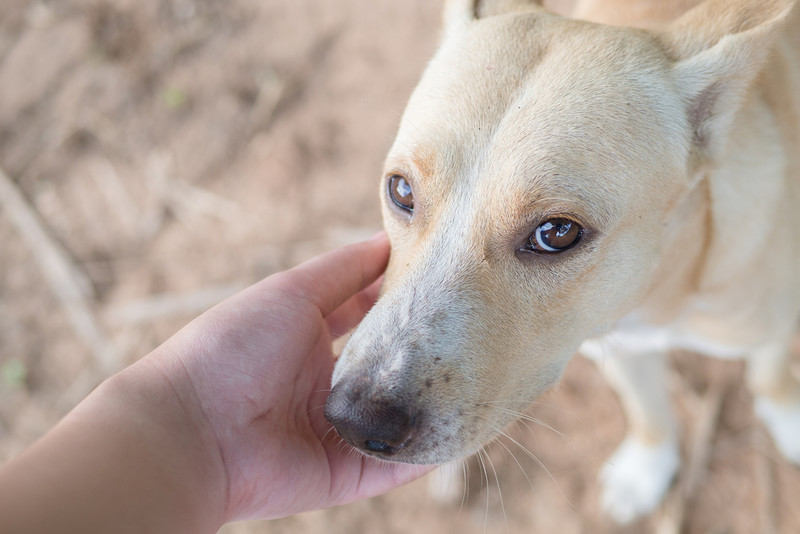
(331, 279)
(348, 315)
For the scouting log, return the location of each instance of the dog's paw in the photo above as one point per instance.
(783, 423)
(636, 478)
(446, 484)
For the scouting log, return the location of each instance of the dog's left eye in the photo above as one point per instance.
(555, 235)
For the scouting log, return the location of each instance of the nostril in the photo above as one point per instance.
(379, 446)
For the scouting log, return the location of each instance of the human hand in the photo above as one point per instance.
(222, 422)
(255, 372)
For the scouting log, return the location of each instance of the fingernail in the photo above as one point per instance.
(378, 235)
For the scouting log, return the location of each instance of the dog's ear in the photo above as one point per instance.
(457, 12)
(719, 48)
(490, 8)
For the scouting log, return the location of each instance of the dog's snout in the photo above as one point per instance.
(368, 420)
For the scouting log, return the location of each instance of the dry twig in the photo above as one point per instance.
(699, 453)
(167, 306)
(64, 278)
(765, 482)
(114, 191)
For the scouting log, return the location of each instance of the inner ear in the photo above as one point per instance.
(457, 13)
(700, 114)
(491, 8)
(718, 49)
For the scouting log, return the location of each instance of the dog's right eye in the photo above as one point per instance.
(400, 192)
(554, 236)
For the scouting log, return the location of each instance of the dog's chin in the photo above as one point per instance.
(420, 449)
(436, 443)
(425, 455)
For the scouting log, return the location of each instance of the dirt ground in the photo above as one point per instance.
(158, 155)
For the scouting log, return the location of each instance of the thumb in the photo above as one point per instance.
(331, 279)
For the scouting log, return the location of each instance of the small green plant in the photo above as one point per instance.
(174, 98)
(14, 373)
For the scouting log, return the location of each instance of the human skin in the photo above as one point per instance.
(222, 422)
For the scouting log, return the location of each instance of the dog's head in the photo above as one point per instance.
(527, 198)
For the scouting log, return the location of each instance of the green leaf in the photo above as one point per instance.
(14, 373)
(174, 98)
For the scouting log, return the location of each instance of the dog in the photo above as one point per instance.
(619, 186)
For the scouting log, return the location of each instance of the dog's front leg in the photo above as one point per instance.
(637, 476)
(777, 394)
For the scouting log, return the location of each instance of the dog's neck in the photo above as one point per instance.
(723, 234)
(726, 226)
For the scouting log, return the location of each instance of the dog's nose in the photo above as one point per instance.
(369, 421)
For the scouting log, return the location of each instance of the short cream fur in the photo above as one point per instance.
(671, 132)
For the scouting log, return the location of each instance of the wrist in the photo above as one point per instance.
(166, 423)
(129, 458)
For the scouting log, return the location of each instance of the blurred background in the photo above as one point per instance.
(158, 155)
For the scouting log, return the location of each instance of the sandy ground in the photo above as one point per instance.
(162, 154)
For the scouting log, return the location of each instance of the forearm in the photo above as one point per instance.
(128, 459)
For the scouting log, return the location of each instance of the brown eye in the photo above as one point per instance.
(555, 235)
(400, 192)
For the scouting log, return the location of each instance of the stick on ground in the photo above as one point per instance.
(65, 279)
(675, 507)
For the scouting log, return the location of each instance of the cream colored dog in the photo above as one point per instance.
(556, 181)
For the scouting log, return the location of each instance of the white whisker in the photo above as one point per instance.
(486, 476)
(526, 417)
(325, 435)
(518, 463)
(499, 491)
(535, 459)
(465, 487)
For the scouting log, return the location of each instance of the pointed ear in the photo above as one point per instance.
(719, 48)
(458, 12)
